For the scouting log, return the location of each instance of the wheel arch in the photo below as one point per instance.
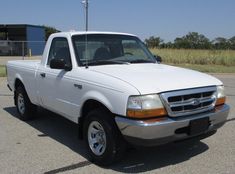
(89, 105)
(18, 82)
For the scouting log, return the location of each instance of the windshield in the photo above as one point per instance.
(103, 49)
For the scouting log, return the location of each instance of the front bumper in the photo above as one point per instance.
(160, 131)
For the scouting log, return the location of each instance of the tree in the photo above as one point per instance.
(232, 43)
(193, 40)
(50, 30)
(153, 42)
(221, 43)
(166, 45)
(181, 43)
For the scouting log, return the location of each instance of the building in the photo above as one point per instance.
(21, 39)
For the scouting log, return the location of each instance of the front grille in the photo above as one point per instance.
(190, 101)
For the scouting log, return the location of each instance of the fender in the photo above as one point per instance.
(95, 95)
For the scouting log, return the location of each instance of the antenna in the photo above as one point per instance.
(85, 2)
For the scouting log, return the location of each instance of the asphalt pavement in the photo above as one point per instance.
(49, 144)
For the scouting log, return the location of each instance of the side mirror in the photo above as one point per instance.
(60, 64)
(158, 58)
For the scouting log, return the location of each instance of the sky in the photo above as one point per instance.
(167, 19)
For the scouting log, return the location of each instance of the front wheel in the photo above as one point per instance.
(103, 139)
(24, 107)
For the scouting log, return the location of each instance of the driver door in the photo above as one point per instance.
(55, 87)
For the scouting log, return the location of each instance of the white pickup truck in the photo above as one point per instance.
(117, 92)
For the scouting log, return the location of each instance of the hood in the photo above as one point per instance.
(156, 78)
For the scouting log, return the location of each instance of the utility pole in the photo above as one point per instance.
(85, 2)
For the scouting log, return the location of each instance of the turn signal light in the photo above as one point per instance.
(146, 113)
(220, 101)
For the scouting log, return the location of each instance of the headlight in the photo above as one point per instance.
(145, 106)
(220, 96)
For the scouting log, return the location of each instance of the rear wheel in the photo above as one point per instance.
(24, 107)
(104, 141)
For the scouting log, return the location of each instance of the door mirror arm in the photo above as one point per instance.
(67, 67)
(158, 58)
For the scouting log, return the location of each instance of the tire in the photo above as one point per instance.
(103, 139)
(24, 107)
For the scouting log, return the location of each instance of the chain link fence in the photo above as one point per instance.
(20, 50)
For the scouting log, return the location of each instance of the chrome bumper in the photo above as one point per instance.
(154, 132)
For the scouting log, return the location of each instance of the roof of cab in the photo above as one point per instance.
(72, 33)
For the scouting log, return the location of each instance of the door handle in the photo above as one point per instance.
(43, 75)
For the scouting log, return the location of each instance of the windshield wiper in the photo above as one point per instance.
(142, 61)
(105, 62)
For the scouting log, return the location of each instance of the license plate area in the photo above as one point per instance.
(198, 126)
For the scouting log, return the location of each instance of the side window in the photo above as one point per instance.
(59, 50)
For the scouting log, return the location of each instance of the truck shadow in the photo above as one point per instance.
(135, 160)
(147, 159)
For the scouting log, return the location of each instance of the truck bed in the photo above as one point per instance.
(25, 70)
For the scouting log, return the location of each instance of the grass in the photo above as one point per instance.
(213, 61)
(208, 68)
(2, 71)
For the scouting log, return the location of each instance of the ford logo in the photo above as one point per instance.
(196, 102)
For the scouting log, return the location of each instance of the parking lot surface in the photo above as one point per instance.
(49, 144)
